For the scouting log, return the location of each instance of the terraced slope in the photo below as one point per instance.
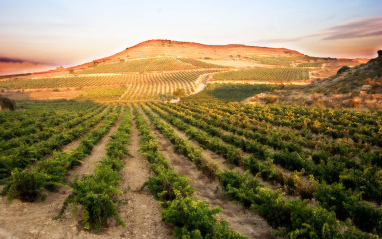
(148, 64)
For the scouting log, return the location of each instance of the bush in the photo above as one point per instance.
(180, 93)
(95, 194)
(7, 104)
(27, 185)
(343, 69)
(193, 216)
(270, 99)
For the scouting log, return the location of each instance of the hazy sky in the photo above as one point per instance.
(73, 32)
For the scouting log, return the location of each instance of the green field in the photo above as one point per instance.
(230, 92)
(279, 60)
(311, 64)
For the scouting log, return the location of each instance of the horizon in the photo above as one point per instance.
(45, 34)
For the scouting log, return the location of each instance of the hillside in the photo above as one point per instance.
(359, 86)
(149, 64)
(146, 68)
(365, 77)
(155, 48)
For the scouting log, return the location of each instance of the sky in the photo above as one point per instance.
(50, 33)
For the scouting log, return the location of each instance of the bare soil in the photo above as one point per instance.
(239, 219)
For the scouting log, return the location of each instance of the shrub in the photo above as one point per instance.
(7, 104)
(343, 69)
(179, 93)
(95, 194)
(27, 185)
(270, 99)
(190, 215)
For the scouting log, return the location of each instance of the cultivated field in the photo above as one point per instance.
(120, 161)
(265, 75)
(307, 161)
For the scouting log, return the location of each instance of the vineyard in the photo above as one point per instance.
(158, 148)
(265, 75)
(149, 64)
(148, 87)
(132, 87)
(280, 60)
(279, 163)
(311, 64)
(105, 80)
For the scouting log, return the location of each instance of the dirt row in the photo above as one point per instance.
(142, 213)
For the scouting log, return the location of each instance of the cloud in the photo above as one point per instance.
(17, 60)
(358, 28)
(276, 40)
(10, 60)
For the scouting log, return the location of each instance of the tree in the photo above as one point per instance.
(179, 93)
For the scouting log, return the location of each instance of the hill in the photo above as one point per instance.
(155, 48)
(153, 61)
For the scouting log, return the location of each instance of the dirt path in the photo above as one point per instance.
(241, 220)
(142, 214)
(34, 220)
(203, 82)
